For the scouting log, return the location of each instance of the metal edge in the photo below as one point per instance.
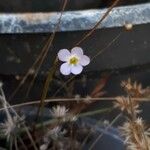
(73, 20)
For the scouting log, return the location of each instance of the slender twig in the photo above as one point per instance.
(22, 142)
(30, 71)
(48, 46)
(72, 100)
(30, 137)
(60, 120)
(41, 57)
(6, 104)
(90, 132)
(11, 144)
(25, 128)
(98, 23)
(53, 69)
(63, 85)
(108, 45)
(45, 90)
(98, 138)
(16, 144)
(57, 121)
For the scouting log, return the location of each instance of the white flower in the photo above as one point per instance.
(59, 111)
(10, 127)
(74, 61)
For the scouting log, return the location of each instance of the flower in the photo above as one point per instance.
(135, 135)
(10, 127)
(133, 88)
(73, 61)
(124, 104)
(59, 111)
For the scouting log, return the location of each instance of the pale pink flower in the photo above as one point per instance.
(73, 61)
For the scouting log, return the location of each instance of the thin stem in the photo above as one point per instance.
(21, 141)
(53, 69)
(16, 144)
(30, 70)
(26, 129)
(11, 144)
(46, 49)
(98, 138)
(98, 23)
(41, 57)
(48, 45)
(63, 86)
(90, 113)
(90, 132)
(108, 45)
(30, 137)
(46, 87)
(110, 99)
(4, 102)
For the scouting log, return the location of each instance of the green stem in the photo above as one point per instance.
(46, 87)
(90, 113)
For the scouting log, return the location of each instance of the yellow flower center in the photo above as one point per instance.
(73, 60)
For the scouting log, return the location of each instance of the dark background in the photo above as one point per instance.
(128, 57)
(55, 5)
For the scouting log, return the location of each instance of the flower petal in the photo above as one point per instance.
(65, 69)
(76, 69)
(63, 54)
(85, 60)
(77, 51)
